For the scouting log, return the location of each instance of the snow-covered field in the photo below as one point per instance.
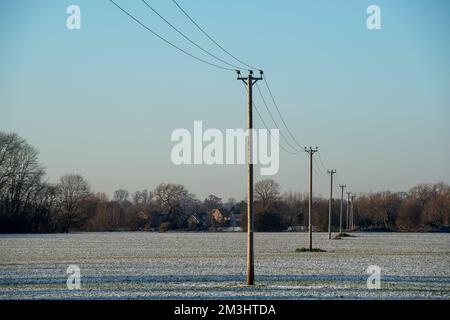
(212, 266)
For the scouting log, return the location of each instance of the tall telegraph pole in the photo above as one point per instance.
(249, 82)
(311, 152)
(347, 226)
(331, 172)
(352, 221)
(342, 186)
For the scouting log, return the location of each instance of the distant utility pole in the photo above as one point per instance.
(352, 221)
(342, 186)
(348, 210)
(331, 172)
(249, 82)
(311, 152)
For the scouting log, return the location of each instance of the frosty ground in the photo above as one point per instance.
(145, 265)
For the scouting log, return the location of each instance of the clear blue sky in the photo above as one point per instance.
(102, 101)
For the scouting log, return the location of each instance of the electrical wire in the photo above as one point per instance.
(320, 172)
(265, 125)
(216, 65)
(268, 130)
(168, 42)
(189, 39)
(321, 162)
(339, 182)
(316, 172)
(250, 66)
(211, 38)
(275, 123)
(279, 113)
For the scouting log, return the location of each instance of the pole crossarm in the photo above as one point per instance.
(253, 79)
(311, 150)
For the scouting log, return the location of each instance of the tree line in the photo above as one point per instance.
(29, 203)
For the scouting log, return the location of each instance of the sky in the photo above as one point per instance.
(103, 101)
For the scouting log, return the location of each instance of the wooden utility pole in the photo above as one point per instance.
(347, 226)
(311, 152)
(342, 186)
(249, 82)
(352, 221)
(331, 172)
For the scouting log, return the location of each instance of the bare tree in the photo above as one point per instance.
(10, 146)
(267, 192)
(107, 217)
(45, 205)
(20, 179)
(409, 216)
(141, 199)
(29, 204)
(121, 195)
(436, 211)
(172, 199)
(74, 190)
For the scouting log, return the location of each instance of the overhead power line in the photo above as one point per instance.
(252, 67)
(317, 169)
(274, 122)
(211, 38)
(168, 42)
(337, 178)
(215, 65)
(314, 167)
(321, 162)
(267, 128)
(189, 39)
(279, 113)
(248, 83)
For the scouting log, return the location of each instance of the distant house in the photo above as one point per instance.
(193, 222)
(217, 216)
(216, 220)
(197, 221)
(233, 222)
